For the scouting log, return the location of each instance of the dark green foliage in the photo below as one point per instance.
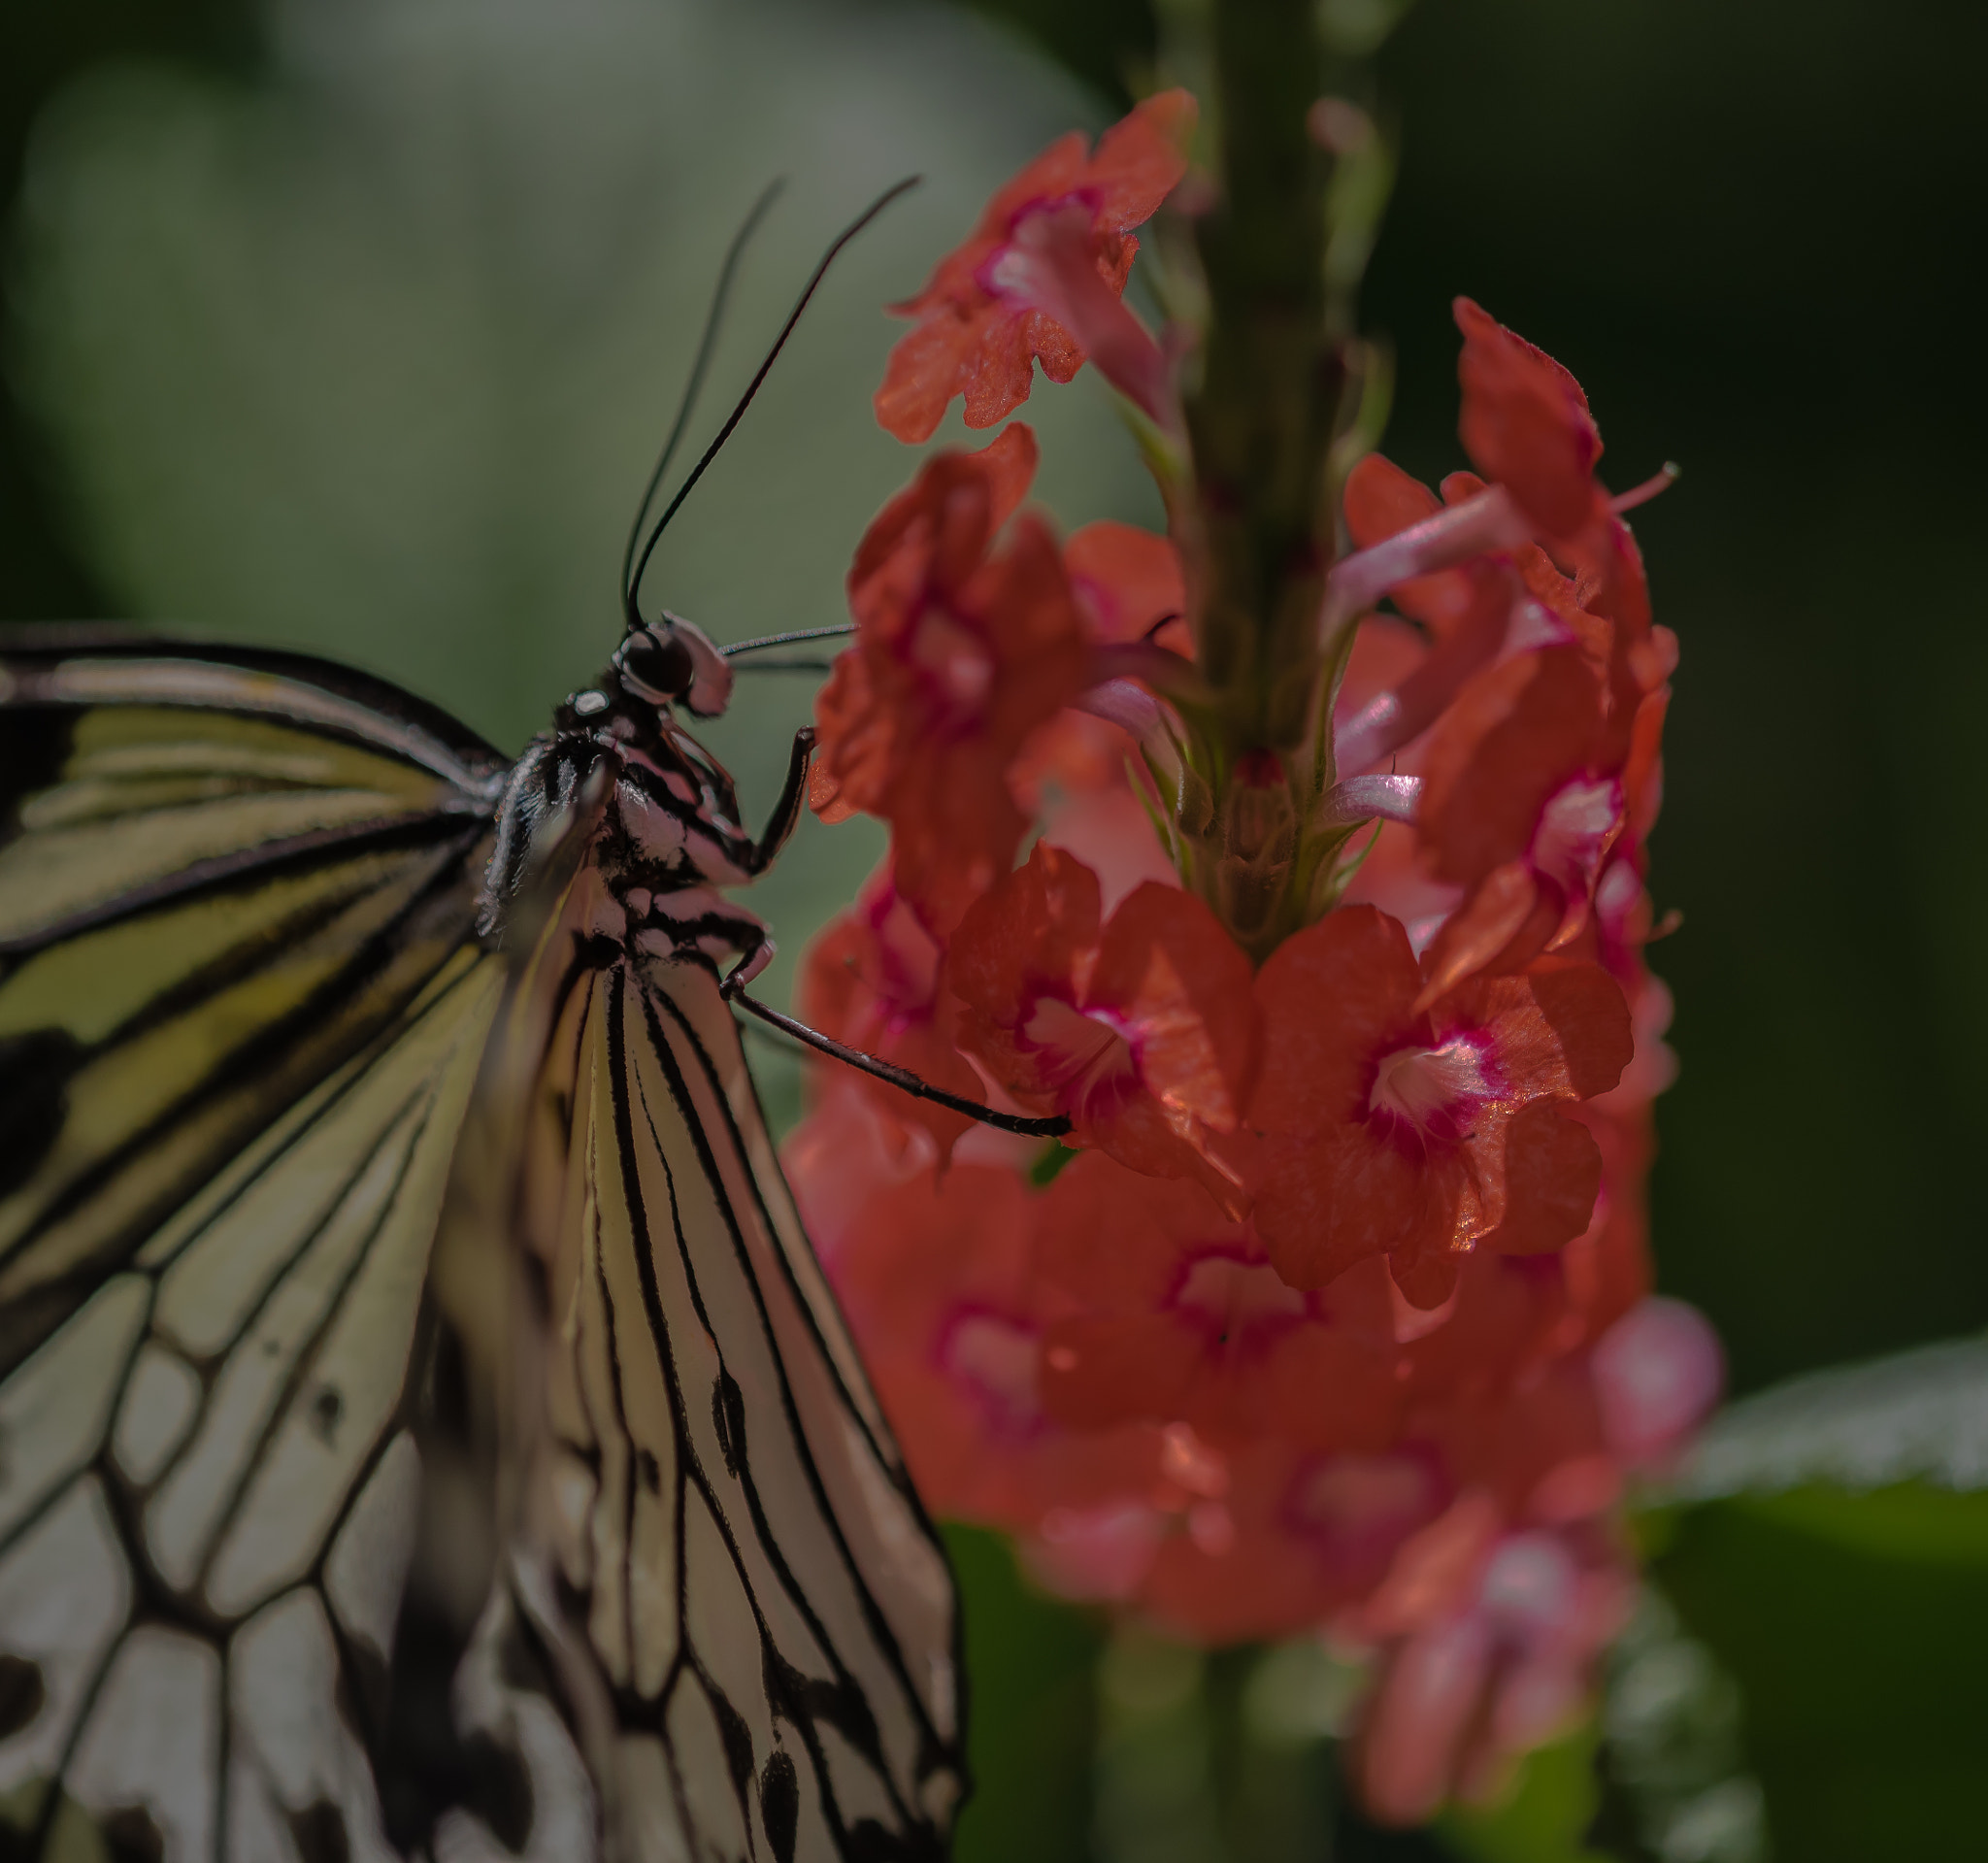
(1857, 1628)
(1033, 1709)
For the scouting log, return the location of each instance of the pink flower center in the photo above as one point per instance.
(1357, 1494)
(1086, 1062)
(1576, 828)
(1433, 1089)
(996, 1360)
(955, 666)
(1530, 1588)
(1239, 1304)
(1021, 271)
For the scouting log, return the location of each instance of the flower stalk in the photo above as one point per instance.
(1279, 387)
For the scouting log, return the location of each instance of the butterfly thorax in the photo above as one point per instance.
(659, 812)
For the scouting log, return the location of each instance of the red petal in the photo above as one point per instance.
(923, 374)
(1034, 931)
(1330, 999)
(1516, 732)
(1000, 370)
(1526, 424)
(1381, 500)
(1328, 1201)
(1181, 989)
(1099, 1370)
(1552, 1172)
(1561, 1028)
(1129, 580)
(1335, 1391)
(1138, 1131)
(1484, 927)
(1140, 160)
(953, 832)
(1589, 1016)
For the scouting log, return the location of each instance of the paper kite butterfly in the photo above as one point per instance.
(424, 1428)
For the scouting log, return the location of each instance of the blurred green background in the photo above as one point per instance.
(352, 325)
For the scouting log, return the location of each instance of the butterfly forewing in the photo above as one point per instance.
(240, 1017)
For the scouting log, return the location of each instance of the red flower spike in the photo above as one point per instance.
(874, 979)
(1422, 1134)
(1526, 425)
(1040, 281)
(960, 654)
(1142, 1030)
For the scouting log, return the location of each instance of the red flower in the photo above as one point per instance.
(1531, 779)
(937, 1277)
(874, 980)
(1466, 612)
(1538, 761)
(1175, 1314)
(960, 654)
(1423, 1133)
(1141, 1030)
(1526, 424)
(1490, 1635)
(1039, 280)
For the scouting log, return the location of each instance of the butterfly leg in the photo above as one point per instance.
(903, 1078)
(699, 921)
(786, 812)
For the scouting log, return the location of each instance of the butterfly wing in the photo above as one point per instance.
(739, 1608)
(240, 1013)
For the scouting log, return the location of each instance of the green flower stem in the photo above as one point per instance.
(1286, 398)
(1262, 420)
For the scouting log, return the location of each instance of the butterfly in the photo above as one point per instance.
(424, 1427)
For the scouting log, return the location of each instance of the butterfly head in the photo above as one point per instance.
(669, 662)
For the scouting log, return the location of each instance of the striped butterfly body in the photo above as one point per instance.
(424, 1428)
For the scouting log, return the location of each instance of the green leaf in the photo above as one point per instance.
(1913, 1416)
(1921, 1415)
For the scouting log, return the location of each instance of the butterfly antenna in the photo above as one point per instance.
(761, 642)
(738, 413)
(700, 366)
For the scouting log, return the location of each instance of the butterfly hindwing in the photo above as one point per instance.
(751, 1628)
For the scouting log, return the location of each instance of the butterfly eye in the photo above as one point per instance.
(658, 667)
